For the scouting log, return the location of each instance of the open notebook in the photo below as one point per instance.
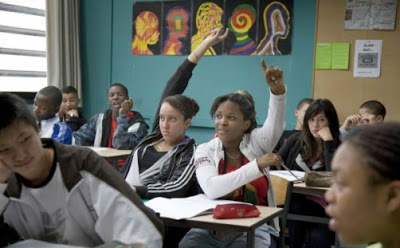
(183, 208)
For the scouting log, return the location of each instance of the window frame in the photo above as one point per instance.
(29, 96)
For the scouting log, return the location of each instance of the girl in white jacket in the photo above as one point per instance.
(234, 165)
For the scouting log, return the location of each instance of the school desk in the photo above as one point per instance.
(240, 225)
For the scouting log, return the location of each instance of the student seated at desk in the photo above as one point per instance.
(46, 106)
(370, 112)
(311, 150)
(64, 194)
(162, 163)
(117, 127)
(234, 165)
(364, 199)
(69, 112)
(301, 109)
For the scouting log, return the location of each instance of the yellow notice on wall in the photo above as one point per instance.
(332, 56)
(340, 56)
(323, 56)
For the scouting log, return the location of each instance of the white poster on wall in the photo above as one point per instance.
(370, 14)
(367, 58)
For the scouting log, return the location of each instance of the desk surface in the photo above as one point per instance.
(242, 224)
(301, 188)
(110, 153)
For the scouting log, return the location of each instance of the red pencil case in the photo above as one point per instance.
(234, 211)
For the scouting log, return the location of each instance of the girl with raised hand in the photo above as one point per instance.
(234, 164)
(162, 164)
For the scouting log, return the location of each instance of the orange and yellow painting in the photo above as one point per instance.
(256, 27)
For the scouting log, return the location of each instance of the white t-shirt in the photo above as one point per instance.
(51, 201)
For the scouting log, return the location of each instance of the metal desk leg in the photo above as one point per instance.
(251, 237)
(115, 164)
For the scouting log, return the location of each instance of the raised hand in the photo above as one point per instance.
(215, 37)
(274, 77)
(126, 106)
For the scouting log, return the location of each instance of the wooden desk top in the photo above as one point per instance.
(243, 225)
(301, 188)
(111, 153)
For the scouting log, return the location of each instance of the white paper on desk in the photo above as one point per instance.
(183, 208)
(287, 175)
(98, 149)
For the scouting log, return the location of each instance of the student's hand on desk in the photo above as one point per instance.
(351, 121)
(269, 159)
(325, 134)
(216, 37)
(274, 77)
(4, 172)
(126, 106)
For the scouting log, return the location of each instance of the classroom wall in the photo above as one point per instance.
(106, 34)
(345, 91)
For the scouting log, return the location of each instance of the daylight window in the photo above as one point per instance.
(23, 62)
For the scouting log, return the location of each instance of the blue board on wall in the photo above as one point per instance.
(107, 58)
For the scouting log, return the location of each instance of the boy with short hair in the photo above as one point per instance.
(69, 112)
(370, 112)
(47, 103)
(117, 127)
(64, 194)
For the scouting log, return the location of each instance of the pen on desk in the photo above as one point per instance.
(286, 168)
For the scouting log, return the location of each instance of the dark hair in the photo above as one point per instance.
(247, 95)
(188, 107)
(52, 92)
(121, 86)
(245, 105)
(380, 148)
(14, 108)
(69, 89)
(308, 143)
(375, 107)
(304, 101)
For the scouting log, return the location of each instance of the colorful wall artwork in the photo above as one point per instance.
(256, 27)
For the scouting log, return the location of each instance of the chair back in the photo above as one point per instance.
(279, 185)
(282, 189)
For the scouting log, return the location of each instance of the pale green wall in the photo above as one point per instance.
(106, 55)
